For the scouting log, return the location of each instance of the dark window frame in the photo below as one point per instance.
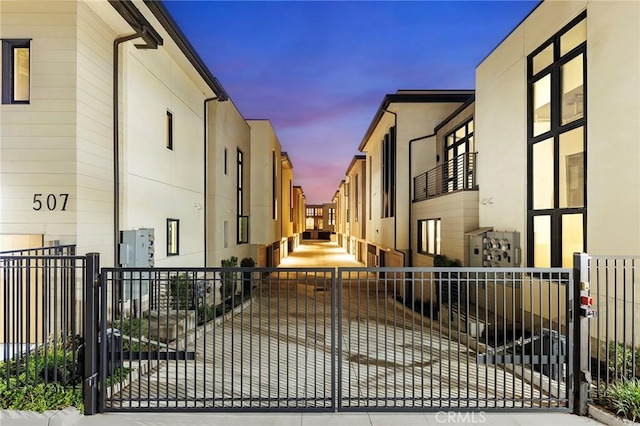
(557, 129)
(169, 141)
(240, 239)
(8, 77)
(388, 174)
(425, 223)
(171, 252)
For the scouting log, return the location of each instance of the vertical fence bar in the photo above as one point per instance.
(90, 387)
(581, 337)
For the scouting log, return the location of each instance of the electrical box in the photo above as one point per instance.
(136, 251)
(488, 248)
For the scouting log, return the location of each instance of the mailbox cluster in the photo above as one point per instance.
(586, 301)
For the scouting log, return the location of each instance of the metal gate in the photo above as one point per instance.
(457, 338)
(218, 339)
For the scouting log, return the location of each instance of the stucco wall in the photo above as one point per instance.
(613, 148)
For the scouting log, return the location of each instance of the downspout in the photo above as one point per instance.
(206, 161)
(411, 202)
(395, 172)
(116, 141)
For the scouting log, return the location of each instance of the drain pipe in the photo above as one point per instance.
(411, 202)
(206, 160)
(116, 141)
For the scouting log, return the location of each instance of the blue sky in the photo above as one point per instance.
(319, 69)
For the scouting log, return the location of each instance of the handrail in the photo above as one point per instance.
(457, 174)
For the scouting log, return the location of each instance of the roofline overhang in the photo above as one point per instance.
(354, 160)
(453, 115)
(174, 31)
(413, 96)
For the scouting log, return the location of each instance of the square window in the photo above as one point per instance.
(173, 237)
(16, 71)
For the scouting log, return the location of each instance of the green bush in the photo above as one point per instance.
(228, 278)
(623, 397)
(41, 397)
(442, 261)
(622, 363)
(133, 327)
(182, 292)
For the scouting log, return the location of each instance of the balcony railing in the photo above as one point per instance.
(457, 174)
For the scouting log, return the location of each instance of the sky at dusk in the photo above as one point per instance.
(319, 70)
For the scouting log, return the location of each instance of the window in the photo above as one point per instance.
(169, 130)
(290, 200)
(356, 200)
(226, 157)
(389, 174)
(429, 236)
(370, 186)
(459, 146)
(243, 221)
(274, 186)
(16, 71)
(173, 237)
(556, 167)
(332, 216)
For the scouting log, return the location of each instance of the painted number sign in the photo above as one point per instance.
(50, 202)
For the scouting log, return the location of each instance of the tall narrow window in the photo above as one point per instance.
(173, 237)
(356, 196)
(389, 173)
(169, 130)
(243, 221)
(429, 241)
(274, 186)
(458, 156)
(16, 71)
(556, 158)
(290, 200)
(226, 159)
(369, 188)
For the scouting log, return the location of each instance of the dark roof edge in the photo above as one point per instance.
(160, 12)
(510, 32)
(434, 96)
(354, 160)
(138, 22)
(458, 110)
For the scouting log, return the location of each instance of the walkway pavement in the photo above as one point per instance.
(310, 254)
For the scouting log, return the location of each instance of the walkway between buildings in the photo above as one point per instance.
(315, 253)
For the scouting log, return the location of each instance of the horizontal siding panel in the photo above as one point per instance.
(51, 56)
(34, 7)
(53, 180)
(46, 44)
(26, 214)
(38, 142)
(40, 69)
(50, 93)
(27, 117)
(91, 182)
(10, 30)
(42, 105)
(39, 19)
(42, 154)
(38, 130)
(56, 80)
(29, 167)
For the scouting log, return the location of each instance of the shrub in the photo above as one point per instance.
(440, 260)
(228, 278)
(40, 397)
(182, 292)
(621, 363)
(623, 397)
(133, 327)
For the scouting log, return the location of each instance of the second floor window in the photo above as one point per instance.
(389, 174)
(169, 130)
(173, 237)
(16, 71)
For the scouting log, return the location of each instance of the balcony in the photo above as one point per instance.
(457, 174)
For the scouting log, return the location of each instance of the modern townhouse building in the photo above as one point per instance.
(351, 209)
(110, 122)
(393, 159)
(444, 204)
(320, 221)
(287, 236)
(298, 215)
(564, 168)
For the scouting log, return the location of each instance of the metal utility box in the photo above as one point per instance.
(488, 248)
(136, 251)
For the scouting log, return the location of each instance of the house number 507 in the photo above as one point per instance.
(50, 201)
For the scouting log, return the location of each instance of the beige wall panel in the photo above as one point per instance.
(613, 130)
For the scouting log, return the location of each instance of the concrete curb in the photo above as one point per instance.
(607, 418)
(67, 417)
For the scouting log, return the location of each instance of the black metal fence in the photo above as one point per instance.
(614, 334)
(408, 341)
(217, 338)
(42, 319)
